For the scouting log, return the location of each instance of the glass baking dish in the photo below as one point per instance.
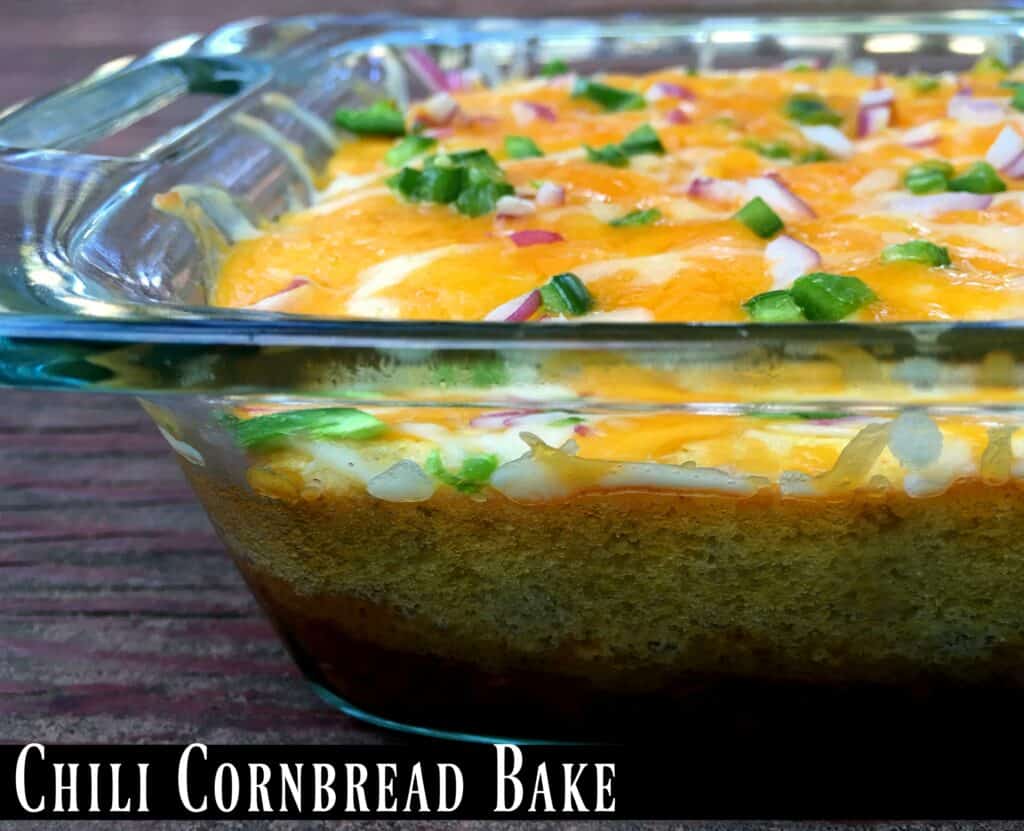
(693, 598)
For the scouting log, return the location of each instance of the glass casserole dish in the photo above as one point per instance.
(571, 594)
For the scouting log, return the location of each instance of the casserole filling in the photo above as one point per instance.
(563, 564)
(674, 196)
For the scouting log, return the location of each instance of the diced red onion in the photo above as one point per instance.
(457, 80)
(789, 258)
(507, 418)
(1016, 170)
(279, 299)
(716, 190)
(773, 190)
(877, 97)
(677, 116)
(829, 137)
(526, 112)
(426, 69)
(567, 80)
(923, 135)
(581, 430)
(517, 309)
(1006, 150)
(550, 195)
(439, 132)
(534, 236)
(874, 112)
(967, 109)
(872, 119)
(666, 89)
(439, 110)
(513, 206)
(940, 203)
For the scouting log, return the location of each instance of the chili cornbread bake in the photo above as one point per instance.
(545, 569)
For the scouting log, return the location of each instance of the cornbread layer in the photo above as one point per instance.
(632, 591)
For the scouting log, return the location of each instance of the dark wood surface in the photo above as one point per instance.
(121, 619)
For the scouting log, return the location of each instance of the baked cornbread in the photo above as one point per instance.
(617, 553)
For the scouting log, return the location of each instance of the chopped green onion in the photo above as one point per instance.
(481, 197)
(808, 108)
(980, 177)
(641, 141)
(406, 183)
(607, 97)
(637, 217)
(922, 84)
(441, 184)
(321, 423)
(724, 121)
(478, 372)
(610, 154)
(478, 160)
(1017, 101)
(522, 147)
(470, 178)
(565, 294)
(553, 68)
(822, 296)
(769, 149)
(916, 251)
(931, 176)
(568, 420)
(760, 218)
(475, 472)
(380, 119)
(773, 307)
(816, 415)
(815, 154)
(407, 149)
(989, 63)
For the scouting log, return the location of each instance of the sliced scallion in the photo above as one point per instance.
(758, 216)
(830, 297)
(565, 294)
(917, 251)
(379, 119)
(322, 423)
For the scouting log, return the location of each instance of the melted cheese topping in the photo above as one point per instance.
(367, 253)
(370, 254)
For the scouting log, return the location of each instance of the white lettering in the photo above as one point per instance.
(417, 786)
(542, 785)
(573, 798)
(115, 789)
(443, 769)
(517, 786)
(604, 788)
(60, 787)
(322, 785)
(355, 788)
(143, 787)
(259, 797)
(183, 778)
(386, 772)
(19, 778)
(293, 783)
(218, 787)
